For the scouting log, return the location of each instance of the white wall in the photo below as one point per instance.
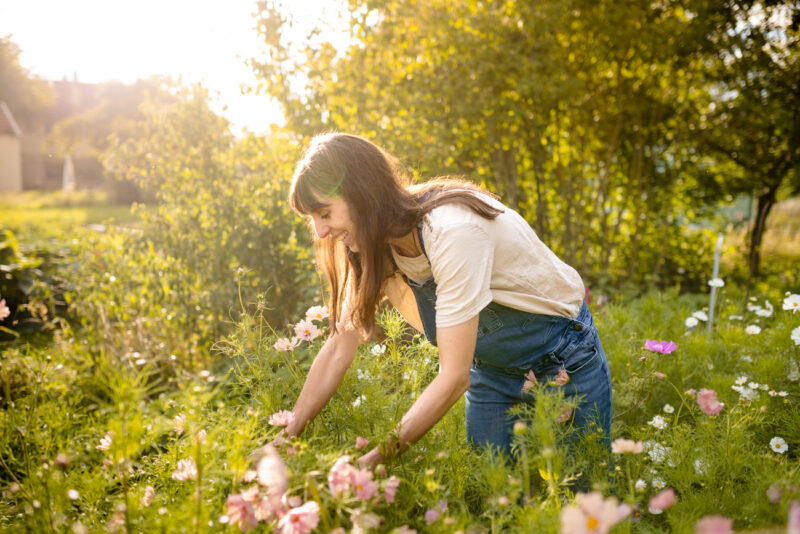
(10, 163)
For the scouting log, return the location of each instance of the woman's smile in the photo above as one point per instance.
(333, 220)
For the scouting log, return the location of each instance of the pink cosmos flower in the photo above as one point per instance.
(659, 375)
(665, 499)
(774, 493)
(186, 470)
(4, 311)
(626, 446)
(431, 516)
(566, 414)
(105, 442)
(707, 399)
(361, 442)
(281, 418)
(364, 521)
(340, 476)
(530, 381)
(691, 392)
(664, 347)
(793, 524)
(714, 524)
(561, 378)
(434, 514)
(147, 498)
(272, 474)
(404, 529)
(592, 514)
(300, 520)
(307, 330)
(363, 485)
(390, 490)
(179, 420)
(240, 513)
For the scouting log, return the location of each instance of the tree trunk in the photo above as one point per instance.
(765, 203)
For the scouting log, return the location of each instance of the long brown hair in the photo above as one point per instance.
(382, 204)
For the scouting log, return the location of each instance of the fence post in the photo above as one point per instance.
(717, 253)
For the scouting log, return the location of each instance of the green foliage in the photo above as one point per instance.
(579, 114)
(30, 284)
(222, 221)
(72, 397)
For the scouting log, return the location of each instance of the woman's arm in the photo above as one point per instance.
(456, 350)
(324, 377)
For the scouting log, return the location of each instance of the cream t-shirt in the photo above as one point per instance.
(475, 261)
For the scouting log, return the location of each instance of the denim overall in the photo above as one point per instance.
(510, 344)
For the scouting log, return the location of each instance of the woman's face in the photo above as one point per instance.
(333, 220)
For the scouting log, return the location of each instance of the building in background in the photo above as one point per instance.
(10, 151)
(25, 162)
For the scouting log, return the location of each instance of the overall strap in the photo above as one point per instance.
(421, 242)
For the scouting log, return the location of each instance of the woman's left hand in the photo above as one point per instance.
(371, 459)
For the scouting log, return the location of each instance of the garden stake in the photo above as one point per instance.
(717, 252)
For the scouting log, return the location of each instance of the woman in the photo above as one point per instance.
(462, 268)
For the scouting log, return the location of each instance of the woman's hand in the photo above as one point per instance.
(371, 459)
(279, 442)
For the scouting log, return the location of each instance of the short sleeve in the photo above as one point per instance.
(461, 257)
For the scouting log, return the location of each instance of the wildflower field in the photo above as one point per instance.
(117, 416)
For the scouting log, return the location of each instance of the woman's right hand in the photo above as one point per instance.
(279, 442)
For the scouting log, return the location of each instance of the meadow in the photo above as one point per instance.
(131, 407)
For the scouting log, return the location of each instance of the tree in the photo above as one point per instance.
(569, 110)
(26, 96)
(751, 116)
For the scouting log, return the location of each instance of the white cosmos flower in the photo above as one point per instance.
(735, 318)
(668, 408)
(741, 380)
(748, 394)
(690, 322)
(317, 313)
(753, 385)
(753, 329)
(796, 335)
(792, 302)
(700, 467)
(716, 282)
(753, 307)
(640, 485)
(746, 358)
(359, 400)
(659, 483)
(658, 452)
(701, 315)
(794, 372)
(284, 344)
(377, 350)
(658, 422)
(778, 445)
(782, 394)
(767, 311)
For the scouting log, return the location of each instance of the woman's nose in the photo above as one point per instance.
(320, 228)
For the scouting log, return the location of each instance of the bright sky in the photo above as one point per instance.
(198, 40)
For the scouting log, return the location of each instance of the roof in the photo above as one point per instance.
(8, 126)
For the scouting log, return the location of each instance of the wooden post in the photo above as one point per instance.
(717, 253)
